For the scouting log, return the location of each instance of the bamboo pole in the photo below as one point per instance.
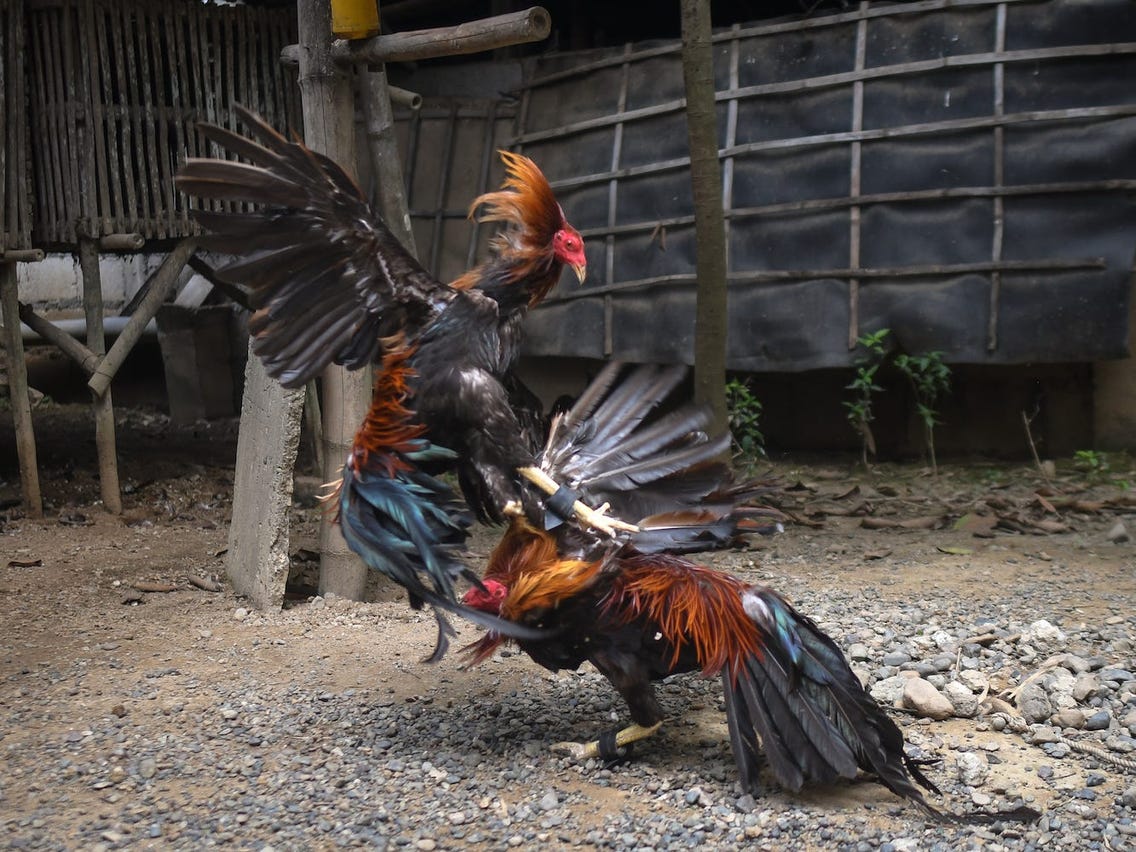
(18, 387)
(472, 37)
(158, 288)
(385, 162)
(329, 128)
(72, 348)
(101, 404)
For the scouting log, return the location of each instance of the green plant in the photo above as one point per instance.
(744, 413)
(1091, 461)
(859, 408)
(930, 378)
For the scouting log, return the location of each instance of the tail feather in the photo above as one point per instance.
(814, 719)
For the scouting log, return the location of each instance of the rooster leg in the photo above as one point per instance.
(599, 748)
(595, 518)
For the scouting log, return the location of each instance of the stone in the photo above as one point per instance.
(1085, 686)
(1041, 634)
(1118, 533)
(1033, 701)
(1070, 717)
(924, 699)
(972, 768)
(964, 701)
(1099, 721)
(896, 658)
(889, 691)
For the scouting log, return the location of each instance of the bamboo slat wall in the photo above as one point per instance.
(15, 172)
(463, 135)
(117, 89)
(959, 170)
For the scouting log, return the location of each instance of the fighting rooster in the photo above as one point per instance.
(639, 612)
(331, 284)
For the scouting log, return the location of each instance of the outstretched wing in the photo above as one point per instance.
(661, 471)
(329, 279)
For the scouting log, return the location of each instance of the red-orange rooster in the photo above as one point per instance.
(639, 613)
(331, 284)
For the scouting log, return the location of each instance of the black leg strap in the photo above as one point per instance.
(609, 750)
(559, 507)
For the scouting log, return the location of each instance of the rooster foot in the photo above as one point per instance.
(609, 746)
(598, 519)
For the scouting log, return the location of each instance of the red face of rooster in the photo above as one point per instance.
(568, 246)
(489, 600)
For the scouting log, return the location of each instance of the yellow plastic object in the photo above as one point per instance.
(354, 18)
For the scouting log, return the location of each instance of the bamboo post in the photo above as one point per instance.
(101, 404)
(159, 286)
(329, 128)
(385, 161)
(18, 387)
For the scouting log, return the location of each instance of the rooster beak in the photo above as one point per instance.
(581, 270)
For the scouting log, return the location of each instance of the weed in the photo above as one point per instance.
(864, 388)
(745, 414)
(930, 378)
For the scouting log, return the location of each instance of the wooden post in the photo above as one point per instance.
(18, 387)
(329, 128)
(709, 221)
(384, 158)
(101, 403)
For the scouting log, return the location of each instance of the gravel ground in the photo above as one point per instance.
(182, 720)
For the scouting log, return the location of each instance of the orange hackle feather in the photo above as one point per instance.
(389, 430)
(526, 204)
(689, 603)
(526, 562)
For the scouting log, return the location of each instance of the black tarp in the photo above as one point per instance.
(996, 206)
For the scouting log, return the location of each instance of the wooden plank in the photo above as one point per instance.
(488, 155)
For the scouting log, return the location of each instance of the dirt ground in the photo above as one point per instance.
(82, 588)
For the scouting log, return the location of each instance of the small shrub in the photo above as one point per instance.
(859, 409)
(745, 414)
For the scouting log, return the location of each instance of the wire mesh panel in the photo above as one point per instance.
(15, 171)
(959, 172)
(118, 89)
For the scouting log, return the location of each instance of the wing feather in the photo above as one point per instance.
(326, 272)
